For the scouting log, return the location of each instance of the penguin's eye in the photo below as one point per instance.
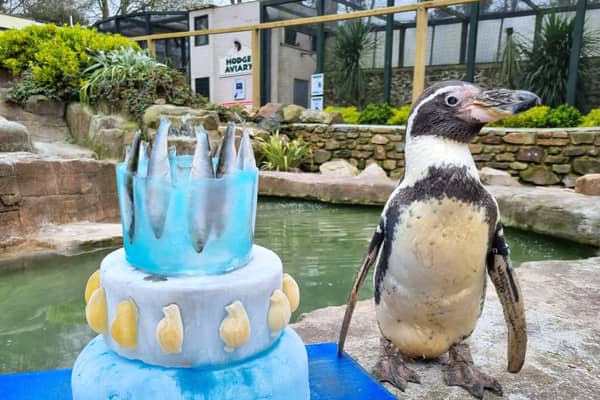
(451, 101)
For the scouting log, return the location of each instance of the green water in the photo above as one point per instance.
(42, 322)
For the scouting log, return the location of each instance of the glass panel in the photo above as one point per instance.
(200, 23)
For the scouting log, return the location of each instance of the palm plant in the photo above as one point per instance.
(282, 155)
(353, 40)
(546, 66)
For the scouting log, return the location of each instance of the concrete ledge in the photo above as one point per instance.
(555, 212)
(562, 305)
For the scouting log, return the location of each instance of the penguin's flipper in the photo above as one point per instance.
(500, 270)
(370, 258)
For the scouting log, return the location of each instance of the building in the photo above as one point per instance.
(10, 22)
(221, 65)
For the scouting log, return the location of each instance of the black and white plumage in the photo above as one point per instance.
(440, 231)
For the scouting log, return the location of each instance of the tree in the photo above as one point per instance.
(59, 12)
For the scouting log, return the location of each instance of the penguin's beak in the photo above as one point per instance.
(492, 105)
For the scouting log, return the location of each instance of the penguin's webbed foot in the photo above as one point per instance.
(462, 372)
(392, 369)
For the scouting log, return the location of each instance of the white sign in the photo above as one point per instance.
(316, 103)
(239, 89)
(316, 85)
(238, 61)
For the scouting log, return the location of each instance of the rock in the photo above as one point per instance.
(373, 171)
(553, 142)
(320, 156)
(585, 165)
(519, 138)
(588, 184)
(326, 188)
(562, 352)
(53, 191)
(314, 116)
(334, 117)
(569, 181)
(540, 175)
(339, 168)
(518, 166)
(292, 112)
(573, 151)
(177, 115)
(533, 154)
(554, 212)
(475, 148)
(42, 105)
(379, 139)
(79, 118)
(271, 110)
(561, 168)
(79, 237)
(491, 140)
(63, 150)
(14, 137)
(389, 165)
(582, 137)
(491, 176)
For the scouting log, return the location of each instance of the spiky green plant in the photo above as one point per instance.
(546, 66)
(282, 155)
(117, 67)
(352, 41)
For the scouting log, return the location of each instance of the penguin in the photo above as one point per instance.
(439, 232)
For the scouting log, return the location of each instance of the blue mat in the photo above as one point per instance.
(331, 378)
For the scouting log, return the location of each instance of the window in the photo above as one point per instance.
(290, 37)
(203, 87)
(200, 23)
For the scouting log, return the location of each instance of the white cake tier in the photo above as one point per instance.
(201, 302)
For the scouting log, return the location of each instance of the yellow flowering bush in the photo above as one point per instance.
(56, 56)
(400, 116)
(350, 114)
(592, 118)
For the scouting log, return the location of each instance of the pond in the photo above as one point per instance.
(42, 321)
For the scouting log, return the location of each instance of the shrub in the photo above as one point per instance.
(592, 118)
(56, 56)
(400, 115)
(562, 116)
(350, 114)
(280, 154)
(535, 117)
(130, 81)
(375, 114)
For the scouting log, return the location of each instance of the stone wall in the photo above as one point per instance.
(486, 75)
(36, 191)
(541, 157)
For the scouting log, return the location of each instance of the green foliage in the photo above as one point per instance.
(350, 114)
(280, 154)
(535, 117)
(563, 116)
(56, 56)
(131, 81)
(375, 114)
(546, 65)
(592, 118)
(400, 115)
(352, 42)
(510, 60)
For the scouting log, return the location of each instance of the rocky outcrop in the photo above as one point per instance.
(373, 171)
(13, 136)
(42, 105)
(562, 307)
(179, 116)
(339, 168)
(36, 191)
(554, 212)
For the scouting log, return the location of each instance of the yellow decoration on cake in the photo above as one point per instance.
(292, 291)
(279, 312)
(124, 327)
(169, 331)
(95, 311)
(93, 283)
(235, 328)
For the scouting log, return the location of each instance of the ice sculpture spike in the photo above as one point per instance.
(159, 174)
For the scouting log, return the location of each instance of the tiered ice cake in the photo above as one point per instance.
(190, 309)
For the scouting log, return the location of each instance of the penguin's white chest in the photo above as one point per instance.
(432, 289)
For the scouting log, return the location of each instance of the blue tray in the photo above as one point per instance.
(331, 377)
